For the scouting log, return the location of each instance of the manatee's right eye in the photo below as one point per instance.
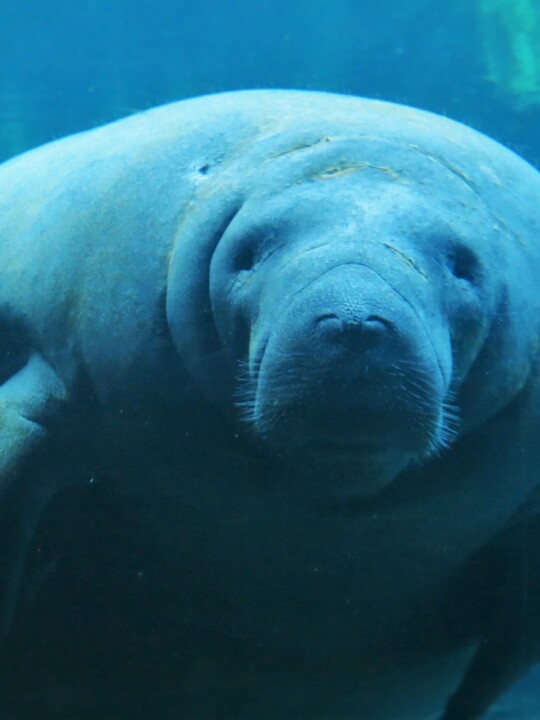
(254, 249)
(244, 258)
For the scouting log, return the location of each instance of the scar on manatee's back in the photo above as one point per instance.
(345, 169)
(303, 145)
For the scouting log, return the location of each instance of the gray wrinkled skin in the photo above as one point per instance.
(313, 319)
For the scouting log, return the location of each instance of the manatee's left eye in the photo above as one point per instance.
(244, 258)
(463, 263)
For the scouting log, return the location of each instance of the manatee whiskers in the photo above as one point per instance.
(292, 398)
(446, 433)
(419, 388)
(449, 430)
(450, 418)
(247, 384)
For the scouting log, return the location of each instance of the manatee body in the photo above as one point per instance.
(313, 321)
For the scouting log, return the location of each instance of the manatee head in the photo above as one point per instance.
(350, 308)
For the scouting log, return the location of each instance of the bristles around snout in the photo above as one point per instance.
(410, 386)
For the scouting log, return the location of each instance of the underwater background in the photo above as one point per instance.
(67, 66)
(70, 65)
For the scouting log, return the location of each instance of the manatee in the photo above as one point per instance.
(313, 321)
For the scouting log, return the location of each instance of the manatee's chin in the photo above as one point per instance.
(346, 462)
(348, 455)
(345, 470)
(332, 448)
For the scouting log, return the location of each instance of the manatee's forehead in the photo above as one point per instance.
(321, 153)
(355, 169)
(350, 194)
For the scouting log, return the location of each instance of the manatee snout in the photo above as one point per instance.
(353, 332)
(348, 368)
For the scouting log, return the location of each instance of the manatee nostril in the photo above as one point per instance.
(329, 322)
(353, 331)
(374, 324)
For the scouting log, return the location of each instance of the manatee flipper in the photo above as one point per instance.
(492, 671)
(27, 399)
(510, 642)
